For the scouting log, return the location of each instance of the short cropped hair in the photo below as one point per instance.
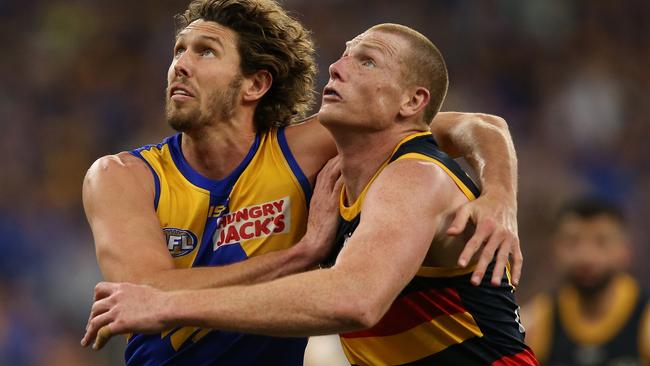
(589, 207)
(424, 65)
(267, 39)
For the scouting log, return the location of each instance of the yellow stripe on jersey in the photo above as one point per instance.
(351, 211)
(182, 204)
(433, 272)
(413, 344)
(587, 332)
(468, 193)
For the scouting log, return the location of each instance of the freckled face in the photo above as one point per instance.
(365, 88)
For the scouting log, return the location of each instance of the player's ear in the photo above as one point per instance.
(256, 85)
(414, 102)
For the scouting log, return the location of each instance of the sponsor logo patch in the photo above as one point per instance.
(179, 242)
(253, 222)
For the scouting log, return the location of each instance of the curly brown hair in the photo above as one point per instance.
(267, 39)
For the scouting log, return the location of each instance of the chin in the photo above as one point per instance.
(329, 117)
(179, 125)
(182, 121)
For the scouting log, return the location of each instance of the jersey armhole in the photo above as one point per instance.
(293, 164)
(468, 188)
(156, 179)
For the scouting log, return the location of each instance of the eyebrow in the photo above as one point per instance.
(212, 39)
(371, 46)
(204, 38)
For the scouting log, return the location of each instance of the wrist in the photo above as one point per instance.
(171, 310)
(501, 194)
(307, 252)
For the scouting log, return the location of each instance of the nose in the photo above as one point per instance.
(182, 65)
(336, 69)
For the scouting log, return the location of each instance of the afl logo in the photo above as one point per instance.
(179, 242)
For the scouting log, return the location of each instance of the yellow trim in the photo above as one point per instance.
(350, 212)
(542, 310)
(416, 343)
(644, 336)
(200, 335)
(180, 336)
(468, 193)
(425, 271)
(585, 332)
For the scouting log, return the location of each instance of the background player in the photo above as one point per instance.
(378, 114)
(599, 315)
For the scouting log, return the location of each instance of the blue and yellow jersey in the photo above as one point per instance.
(260, 207)
(439, 318)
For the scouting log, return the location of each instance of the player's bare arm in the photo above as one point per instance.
(381, 257)
(118, 195)
(485, 141)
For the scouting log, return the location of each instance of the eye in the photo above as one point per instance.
(368, 63)
(208, 52)
(178, 51)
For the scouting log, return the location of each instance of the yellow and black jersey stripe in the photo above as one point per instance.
(439, 318)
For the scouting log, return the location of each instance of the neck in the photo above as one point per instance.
(362, 154)
(214, 151)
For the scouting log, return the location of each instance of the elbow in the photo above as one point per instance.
(492, 120)
(361, 313)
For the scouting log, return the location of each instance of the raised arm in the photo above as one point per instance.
(381, 257)
(484, 140)
(118, 194)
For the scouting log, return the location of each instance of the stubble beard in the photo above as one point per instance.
(594, 289)
(222, 104)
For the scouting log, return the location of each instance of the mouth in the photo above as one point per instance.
(179, 91)
(330, 93)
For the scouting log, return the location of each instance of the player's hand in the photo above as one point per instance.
(324, 211)
(121, 308)
(496, 226)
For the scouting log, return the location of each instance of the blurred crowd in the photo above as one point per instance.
(81, 79)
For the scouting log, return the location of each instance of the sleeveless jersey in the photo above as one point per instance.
(260, 207)
(613, 341)
(439, 318)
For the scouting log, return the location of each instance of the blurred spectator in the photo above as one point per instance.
(599, 316)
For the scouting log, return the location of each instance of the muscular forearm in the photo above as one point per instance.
(258, 269)
(485, 142)
(300, 305)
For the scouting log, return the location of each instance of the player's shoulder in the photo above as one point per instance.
(117, 164)
(417, 175)
(122, 169)
(311, 144)
(412, 182)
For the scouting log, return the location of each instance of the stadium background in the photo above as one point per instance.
(81, 79)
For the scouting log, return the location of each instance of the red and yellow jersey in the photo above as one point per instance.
(439, 318)
(260, 207)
